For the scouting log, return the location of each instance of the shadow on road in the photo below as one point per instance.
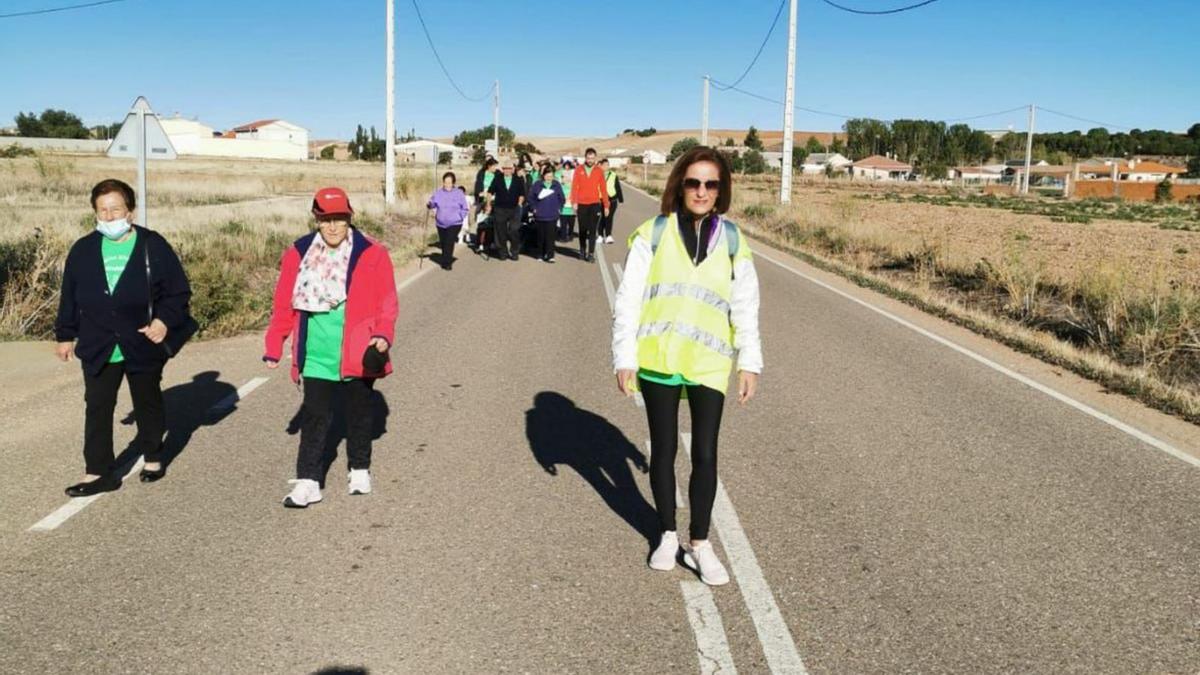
(188, 407)
(342, 670)
(560, 433)
(337, 427)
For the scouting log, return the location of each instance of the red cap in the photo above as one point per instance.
(331, 201)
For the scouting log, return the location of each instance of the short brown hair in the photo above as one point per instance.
(111, 185)
(672, 198)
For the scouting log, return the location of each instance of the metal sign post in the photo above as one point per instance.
(141, 137)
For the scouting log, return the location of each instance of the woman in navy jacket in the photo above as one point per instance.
(123, 312)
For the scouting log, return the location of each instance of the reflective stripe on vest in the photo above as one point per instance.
(690, 332)
(692, 291)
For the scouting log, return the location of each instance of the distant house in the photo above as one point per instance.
(275, 131)
(621, 157)
(1140, 171)
(277, 140)
(977, 174)
(653, 157)
(816, 162)
(421, 151)
(878, 167)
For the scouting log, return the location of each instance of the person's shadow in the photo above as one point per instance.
(205, 401)
(560, 433)
(337, 426)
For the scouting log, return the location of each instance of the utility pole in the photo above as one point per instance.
(789, 104)
(1028, 151)
(704, 115)
(496, 119)
(389, 162)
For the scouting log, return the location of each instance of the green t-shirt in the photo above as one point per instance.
(508, 182)
(671, 380)
(116, 256)
(323, 344)
(488, 179)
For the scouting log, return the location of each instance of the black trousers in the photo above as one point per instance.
(566, 227)
(606, 222)
(662, 410)
(545, 231)
(507, 230)
(447, 237)
(318, 415)
(590, 216)
(100, 397)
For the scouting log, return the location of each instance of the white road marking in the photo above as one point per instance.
(77, 504)
(608, 284)
(420, 273)
(773, 633)
(1080, 406)
(712, 649)
(242, 392)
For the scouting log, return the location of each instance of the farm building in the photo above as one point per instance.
(816, 162)
(878, 167)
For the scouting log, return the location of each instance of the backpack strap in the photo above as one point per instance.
(733, 238)
(656, 234)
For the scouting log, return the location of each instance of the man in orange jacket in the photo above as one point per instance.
(589, 196)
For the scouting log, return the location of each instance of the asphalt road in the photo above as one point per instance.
(888, 504)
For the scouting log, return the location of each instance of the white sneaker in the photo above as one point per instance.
(360, 482)
(703, 559)
(608, 239)
(304, 492)
(663, 558)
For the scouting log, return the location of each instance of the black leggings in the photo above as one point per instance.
(606, 222)
(100, 396)
(662, 410)
(447, 237)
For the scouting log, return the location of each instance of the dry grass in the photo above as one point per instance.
(228, 220)
(1113, 300)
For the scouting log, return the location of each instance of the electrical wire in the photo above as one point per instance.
(1084, 119)
(51, 10)
(438, 57)
(878, 12)
(780, 103)
(778, 13)
(979, 117)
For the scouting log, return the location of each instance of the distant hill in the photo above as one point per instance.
(663, 140)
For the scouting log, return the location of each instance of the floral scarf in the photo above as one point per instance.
(321, 283)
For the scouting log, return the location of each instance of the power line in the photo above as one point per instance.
(438, 57)
(51, 10)
(780, 103)
(757, 54)
(995, 114)
(878, 12)
(1084, 119)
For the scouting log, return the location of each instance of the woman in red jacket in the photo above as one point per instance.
(336, 300)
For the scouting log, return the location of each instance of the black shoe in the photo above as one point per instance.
(514, 257)
(102, 484)
(148, 476)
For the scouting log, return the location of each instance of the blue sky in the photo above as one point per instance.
(595, 67)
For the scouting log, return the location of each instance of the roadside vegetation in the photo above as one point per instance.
(229, 221)
(1108, 290)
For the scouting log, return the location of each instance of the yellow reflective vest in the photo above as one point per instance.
(684, 326)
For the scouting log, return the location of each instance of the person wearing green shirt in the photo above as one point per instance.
(566, 220)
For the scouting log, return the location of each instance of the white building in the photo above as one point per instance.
(977, 174)
(817, 161)
(421, 151)
(272, 139)
(878, 167)
(653, 157)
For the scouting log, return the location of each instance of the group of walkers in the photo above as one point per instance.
(688, 302)
(522, 205)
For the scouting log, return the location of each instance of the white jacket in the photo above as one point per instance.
(743, 304)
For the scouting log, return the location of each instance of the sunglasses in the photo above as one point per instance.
(694, 184)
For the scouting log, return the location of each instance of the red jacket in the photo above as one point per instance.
(371, 306)
(587, 189)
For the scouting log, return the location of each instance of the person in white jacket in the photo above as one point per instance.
(688, 302)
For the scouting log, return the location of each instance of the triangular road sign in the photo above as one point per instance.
(125, 144)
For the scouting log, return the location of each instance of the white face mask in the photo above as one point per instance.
(113, 229)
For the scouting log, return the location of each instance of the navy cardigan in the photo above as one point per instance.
(98, 320)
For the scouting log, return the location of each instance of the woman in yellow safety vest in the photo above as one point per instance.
(688, 301)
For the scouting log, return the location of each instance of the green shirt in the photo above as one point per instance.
(323, 344)
(488, 178)
(674, 380)
(507, 182)
(116, 256)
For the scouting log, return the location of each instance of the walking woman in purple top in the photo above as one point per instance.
(450, 207)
